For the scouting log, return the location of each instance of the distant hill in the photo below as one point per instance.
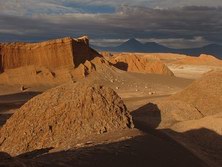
(212, 49)
(133, 45)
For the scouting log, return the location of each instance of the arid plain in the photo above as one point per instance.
(63, 103)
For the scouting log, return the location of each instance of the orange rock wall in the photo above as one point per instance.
(51, 54)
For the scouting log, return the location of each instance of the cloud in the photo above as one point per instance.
(107, 42)
(182, 3)
(169, 42)
(154, 3)
(31, 7)
(175, 27)
(179, 42)
(52, 7)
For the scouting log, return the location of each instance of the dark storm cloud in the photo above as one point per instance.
(182, 23)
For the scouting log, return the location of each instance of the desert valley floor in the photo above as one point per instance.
(175, 102)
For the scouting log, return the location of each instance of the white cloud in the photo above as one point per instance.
(31, 7)
(182, 3)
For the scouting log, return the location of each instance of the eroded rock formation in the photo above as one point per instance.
(133, 63)
(51, 54)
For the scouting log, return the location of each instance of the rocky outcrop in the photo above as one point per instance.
(84, 69)
(133, 63)
(50, 54)
(64, 116)
(34, 75)
(39, 75)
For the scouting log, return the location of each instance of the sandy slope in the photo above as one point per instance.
(133, 147)
(192, 117)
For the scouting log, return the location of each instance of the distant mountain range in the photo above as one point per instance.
(133, 45)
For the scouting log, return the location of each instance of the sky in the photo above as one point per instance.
(173, 23)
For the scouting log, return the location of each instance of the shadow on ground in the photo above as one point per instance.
(22, 96)
(12, 102)
(4, 118)
(141, 151)
(121, 65)
(147, 117)
(154, 148)
(204, 142)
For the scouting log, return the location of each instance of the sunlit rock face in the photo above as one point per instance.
(51, 54)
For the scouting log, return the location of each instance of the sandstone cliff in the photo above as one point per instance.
(51, 54)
